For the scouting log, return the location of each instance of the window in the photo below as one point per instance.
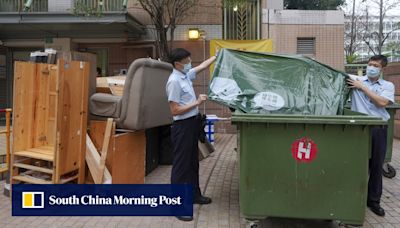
(242, 22)
(387, 26)
(375, 26)
(306, 46)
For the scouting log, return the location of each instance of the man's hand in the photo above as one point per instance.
(201, 99)
(355, 84)
(177, 109)
(216, 52)
(375, 98)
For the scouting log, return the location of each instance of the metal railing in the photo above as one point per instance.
(356, 69)
(19, 6)
(242, 22)
(102, 5)
(43, 5)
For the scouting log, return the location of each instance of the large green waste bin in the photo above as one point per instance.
(388, 170)
(310, 167)
(392, 112)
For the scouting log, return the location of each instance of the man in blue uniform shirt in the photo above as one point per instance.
(370, 96)
(186, 127)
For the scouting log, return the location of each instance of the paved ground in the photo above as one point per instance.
(219, 180)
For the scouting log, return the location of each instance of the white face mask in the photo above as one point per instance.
(187, 67)
(373, 72)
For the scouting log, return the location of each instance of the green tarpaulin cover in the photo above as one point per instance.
(277, 84)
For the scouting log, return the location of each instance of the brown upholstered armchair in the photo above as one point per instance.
(144, 101)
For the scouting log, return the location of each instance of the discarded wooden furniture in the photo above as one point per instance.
(5, 166)
(143, 105)
(112, 85)
(138, 101)
(125, 158)
(82, 57)
(97, 162)
(49, 122)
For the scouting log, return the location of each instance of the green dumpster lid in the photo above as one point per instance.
(308, 119)
(265, 83)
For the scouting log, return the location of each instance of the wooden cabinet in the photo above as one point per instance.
(126, 153)
(49, 122)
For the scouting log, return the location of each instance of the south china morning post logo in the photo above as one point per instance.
(36, 200)
(102, 200)
(118, 200)
(32, 200)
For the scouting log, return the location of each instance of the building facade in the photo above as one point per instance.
(369, 25)
(317, 34)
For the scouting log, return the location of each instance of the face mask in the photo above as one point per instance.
(373, 72)
(187, 67)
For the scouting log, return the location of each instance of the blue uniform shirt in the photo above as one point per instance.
(361, 102)
(180, 90)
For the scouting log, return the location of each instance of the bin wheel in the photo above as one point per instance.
(344, 225)
(388, 171)
(253, 224)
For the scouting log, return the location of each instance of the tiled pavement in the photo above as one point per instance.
(219, 178)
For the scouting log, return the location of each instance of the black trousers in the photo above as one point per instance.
(378, 153)
(185, 164)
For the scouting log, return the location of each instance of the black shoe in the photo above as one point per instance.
(377, 209)
(185, 218)
(202, 200)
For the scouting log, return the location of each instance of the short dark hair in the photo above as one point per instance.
(381, 58)
(177, 55)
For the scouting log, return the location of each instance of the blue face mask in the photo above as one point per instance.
(373, 72)
(187, 67)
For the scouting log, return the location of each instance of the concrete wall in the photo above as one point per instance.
(329, 41)
(327, 27)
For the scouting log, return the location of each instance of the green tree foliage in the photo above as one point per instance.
(351, 58)
(165, 16)
(313, 4)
